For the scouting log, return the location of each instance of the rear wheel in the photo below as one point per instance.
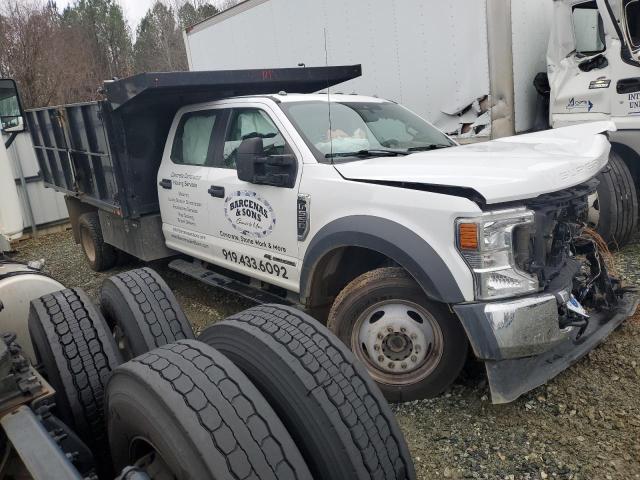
(412, 347)
(184, 411)
(100, 255)
(142, 311)
(76, 352)
(613, 209)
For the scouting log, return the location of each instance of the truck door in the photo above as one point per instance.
(183, 183)
(580, 71)
(594, 62)
(255, 225)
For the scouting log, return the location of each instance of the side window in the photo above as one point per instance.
(250, 123)
(588, 29)
(632, 23)
(192, 144)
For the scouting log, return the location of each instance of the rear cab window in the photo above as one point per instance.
(193, 141)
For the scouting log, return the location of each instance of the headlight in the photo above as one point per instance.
(486, 243)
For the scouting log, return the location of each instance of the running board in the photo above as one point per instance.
(197, 271)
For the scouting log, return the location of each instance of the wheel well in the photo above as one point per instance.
(335, 270)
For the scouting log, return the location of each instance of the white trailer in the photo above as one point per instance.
(458, 64)
(467, 66)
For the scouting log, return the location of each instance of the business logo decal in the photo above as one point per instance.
(249, 214)
(580, 105)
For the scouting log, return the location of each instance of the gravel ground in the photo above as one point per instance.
(585, 424)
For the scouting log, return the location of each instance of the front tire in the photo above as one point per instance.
(412, 347)
(613, 210)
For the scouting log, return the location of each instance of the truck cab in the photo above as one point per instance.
(594, 75)
(413, 249)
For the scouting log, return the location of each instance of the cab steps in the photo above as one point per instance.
(197, 270)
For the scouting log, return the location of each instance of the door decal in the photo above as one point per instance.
(249, 214)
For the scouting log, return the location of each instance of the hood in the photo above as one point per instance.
(504, 170)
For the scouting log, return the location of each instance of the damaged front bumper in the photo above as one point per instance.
(522, 343)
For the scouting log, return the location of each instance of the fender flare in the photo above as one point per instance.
(391, 239)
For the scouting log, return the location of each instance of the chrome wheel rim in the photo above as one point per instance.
(399, 341)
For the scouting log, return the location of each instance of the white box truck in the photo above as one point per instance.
(467, 66)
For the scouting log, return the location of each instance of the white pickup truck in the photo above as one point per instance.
(417, 252)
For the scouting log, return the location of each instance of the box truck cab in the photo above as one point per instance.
(414, 250)
(594, 74)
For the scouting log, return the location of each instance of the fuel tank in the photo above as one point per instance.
(19, 284)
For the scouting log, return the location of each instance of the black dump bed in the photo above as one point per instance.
(107, 153)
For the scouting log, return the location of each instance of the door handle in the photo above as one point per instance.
(628, 85)
(166, 183)
(217, 192)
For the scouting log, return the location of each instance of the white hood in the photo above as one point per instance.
(503, 170)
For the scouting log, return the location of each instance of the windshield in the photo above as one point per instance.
(362, 129)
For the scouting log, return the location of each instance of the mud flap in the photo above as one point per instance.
(511, 378)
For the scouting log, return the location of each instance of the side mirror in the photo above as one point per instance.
(11, 114)
(255, 167)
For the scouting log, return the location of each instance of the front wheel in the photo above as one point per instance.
(412, 347)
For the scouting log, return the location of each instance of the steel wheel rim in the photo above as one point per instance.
(387, 345)
(87, 245)
(145, 456)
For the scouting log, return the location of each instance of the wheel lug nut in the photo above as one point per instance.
(376, 347)
(390, 329)
(403, 329)
(392, 365)
(380, 337)
(403, 365)
(413, 336)
(414, 358)
(381, 358)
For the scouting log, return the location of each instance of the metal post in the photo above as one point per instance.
(25, 192)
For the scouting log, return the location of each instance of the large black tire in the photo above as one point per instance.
(365, 299)
(330, 406)
(100, 255)
(203, 417)
(617, 203)
(143, 311)
(76, 353)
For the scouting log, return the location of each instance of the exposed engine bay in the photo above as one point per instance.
(564, 252)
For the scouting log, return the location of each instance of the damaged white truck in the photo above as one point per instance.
(417, 252)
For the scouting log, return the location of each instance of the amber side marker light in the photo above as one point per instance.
(468, 236)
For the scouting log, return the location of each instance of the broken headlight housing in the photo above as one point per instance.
(486, 243)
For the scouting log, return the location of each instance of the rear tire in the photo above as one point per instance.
(412, 347)
(614, 211)
(75, 348)
(187, 408)
(330, 406)
(143, 312)
(100, 255)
